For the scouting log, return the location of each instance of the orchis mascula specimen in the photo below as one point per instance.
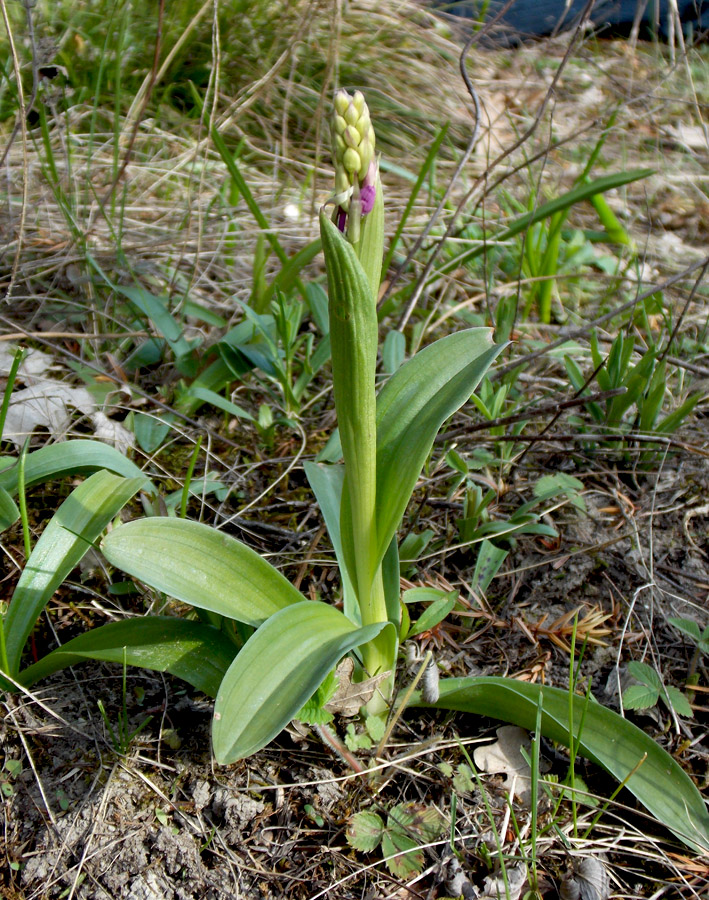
(352, 147)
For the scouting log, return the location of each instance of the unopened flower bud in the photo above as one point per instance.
(351, 161)
(342, 101)
(358, 102)
(351, 115)
(352, 144)
(352, 137)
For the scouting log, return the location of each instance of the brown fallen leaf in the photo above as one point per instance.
(350, 697)
(505, 757)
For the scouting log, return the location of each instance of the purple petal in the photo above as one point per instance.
(341, 218)
(368, 195)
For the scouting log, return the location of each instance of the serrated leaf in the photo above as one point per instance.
(376, 726)
(416, 820)
(200, 566)
(640, 696)
(463, 779)
(365, 831)
(688, 627)
(679, 702)
(403, 865)
(357, 740)
(278, 669)
(645, 674)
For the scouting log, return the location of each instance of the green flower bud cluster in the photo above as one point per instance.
(352, 143)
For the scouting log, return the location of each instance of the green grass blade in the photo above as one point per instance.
(276, 673)
(290, 272)
(571, 198)
(200, 566)
(197, 653)
(411, 408)
(212, 397)
(80, 457)
(431, 157)
(606, 738)
(70, 533)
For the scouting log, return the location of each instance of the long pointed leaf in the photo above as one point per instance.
(576, 195)
(197, 653)
(70, 458)
(412, 406)
(201, 566)
(606, 738)
(327, 482)
(277, 671)
(72, 529)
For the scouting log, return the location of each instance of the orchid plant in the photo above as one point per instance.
(263, 649)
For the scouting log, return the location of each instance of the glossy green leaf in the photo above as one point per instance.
(412, 406)
(326, 482)
(9, 513)
(197, 653)
(606, 738)
(277, 671)
(69, 535)
(70, 458)
(353, 338)
(200, 566)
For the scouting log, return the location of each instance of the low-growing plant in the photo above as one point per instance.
(262, 649)
(639, 407)
(650, 689)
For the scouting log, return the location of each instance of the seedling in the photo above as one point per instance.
(408, 825)
(651, 689)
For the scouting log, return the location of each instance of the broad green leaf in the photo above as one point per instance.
(679, 702)
(326, 482)
(411, 407)
(151, 431)
(201, 566)
(277, 671)
(69, 458)
(9, 513)
(606, 738)
(69, 535)
(487, 565)
(197, 653)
